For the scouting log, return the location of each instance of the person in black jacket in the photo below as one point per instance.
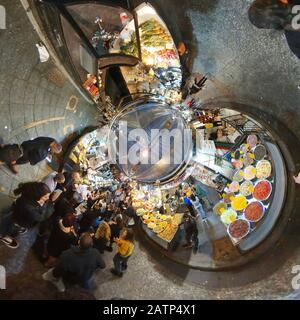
(191, 230)
(116, 226)
(30, 209)
(27, 212)
(76, 265)
(62, 237)
(36, 150)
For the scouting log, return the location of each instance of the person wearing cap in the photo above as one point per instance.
(76, 265)
(62, 236)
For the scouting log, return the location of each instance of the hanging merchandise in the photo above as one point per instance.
(91, 86)
(103, 37)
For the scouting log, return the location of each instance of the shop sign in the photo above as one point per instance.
(296, 19)
(2, 278)
(2, 18)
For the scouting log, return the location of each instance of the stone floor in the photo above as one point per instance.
(251, 65)
(35, 96)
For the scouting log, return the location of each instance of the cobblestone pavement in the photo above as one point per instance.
(253, 65)
(36, 99)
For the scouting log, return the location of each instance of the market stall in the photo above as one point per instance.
(159, 71)
(158, 214)
(246, 200)
(90, 157)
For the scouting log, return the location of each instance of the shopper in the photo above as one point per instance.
(76, 265)
(278, 15)
(188, 204)
(184, 60)
(27, 212)
(109, 197)
(53, 179)
(202, 195)
(191, 231)
(71, 179)
(116, 226)
(197, 206)
(102, 236)
(9, 154)
(62, 237)
(38, 149)
(129, 214)
(63, 206)
(125, 247)
(90, 221)
(109, 212)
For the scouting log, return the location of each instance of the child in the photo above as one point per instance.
(125, 245)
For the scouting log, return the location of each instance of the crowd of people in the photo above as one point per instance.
(71, 225)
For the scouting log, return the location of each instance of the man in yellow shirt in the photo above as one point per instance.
(125, 247)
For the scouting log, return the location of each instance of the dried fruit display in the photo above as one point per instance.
(254, 211)
(239, 229)
(262, 190)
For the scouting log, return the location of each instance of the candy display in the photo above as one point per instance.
(245, 199)
(228, 197)
(252, 140)
(254, 211)
(249, 173)
(228, 216)
(260, 152)
(238, 176)
(234, 186)
(263, 169)
(247, 188)
(239, 229)
(248, 159)
(239, 203)
(219, 208)
(244, 147)
(237, 164)
(262, 190)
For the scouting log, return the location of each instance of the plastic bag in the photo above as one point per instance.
(43, 53)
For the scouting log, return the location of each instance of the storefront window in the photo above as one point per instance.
(83, 60)
(104, 26)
